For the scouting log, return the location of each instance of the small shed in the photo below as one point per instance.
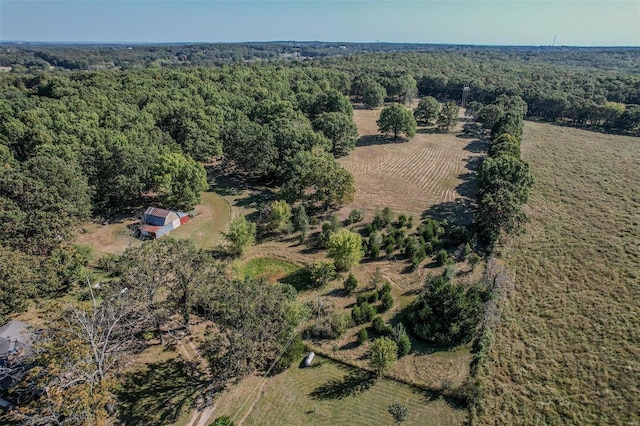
(159, 222)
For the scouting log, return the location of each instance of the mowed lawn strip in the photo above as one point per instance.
(568, 348)
(330, 394)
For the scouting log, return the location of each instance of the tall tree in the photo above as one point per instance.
(448, 116)
(180, 180)
(345, 248)
(428, 110)
(396, 119)
(382, 354)
(241, 234)
(340, 129)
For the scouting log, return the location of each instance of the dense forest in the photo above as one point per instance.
(93, 131)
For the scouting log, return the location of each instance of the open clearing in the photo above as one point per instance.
(330, 394)
(568, 348)
(213, 213)
(412, 176)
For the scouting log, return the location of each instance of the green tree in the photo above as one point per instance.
(340, 129)
(427, 111)
(446, 313)
(321, 273)
(396, 119)
(448, 116)
(280, 215)
(399, 411)
(179, 180)
(350, 284)
(489, 115)
(222, 421)
(345, 248)
(400, 336)
(505, 144)
(241, 234)
(300, 222)
(382, 354)
(363, 335)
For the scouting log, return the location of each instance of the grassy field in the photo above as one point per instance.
(411, 176)
(204, 230)
(568, 348)
(329, 394)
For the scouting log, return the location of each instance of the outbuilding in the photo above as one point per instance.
(159, 222)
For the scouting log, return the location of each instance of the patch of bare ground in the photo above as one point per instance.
(567, 349)
(412, 176)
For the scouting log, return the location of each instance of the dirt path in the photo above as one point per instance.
(202, 413)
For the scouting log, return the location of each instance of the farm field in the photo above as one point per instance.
(431, 169)
(568, 348)
(330, 394)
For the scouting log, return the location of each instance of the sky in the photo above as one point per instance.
(506, 22)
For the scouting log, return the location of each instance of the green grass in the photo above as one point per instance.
(567, 350)
(204, 230)
(275, 270)
(330, 394)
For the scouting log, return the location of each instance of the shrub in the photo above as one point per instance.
(357, 316)
(400, 336)
(382, 355)
(400, 412)
(386, 302)
(380, 327)
(446, 313)
(350, 284)
(222, 421)
(367, 297)
(442, 257)
(363, 335)
(320, 273)
(355, 216)
(292, 352)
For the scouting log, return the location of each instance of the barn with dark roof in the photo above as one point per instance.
(159, 222)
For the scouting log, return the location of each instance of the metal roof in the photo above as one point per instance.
(157, 212)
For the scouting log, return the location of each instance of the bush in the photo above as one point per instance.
(292, 353)
(400, 336)
(400, 412)
(367, 297)
(442, 257)
(355, 216)
(446, 313)
(380, 327)
(362, 313)
(222, 421)
(321, 273)
(386, 302)
(363, 335)
(350, 284)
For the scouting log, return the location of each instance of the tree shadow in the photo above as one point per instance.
(159, 394)
(354, 383)
(300, 279)
(477, 146)
(459, 211)
(370, 140)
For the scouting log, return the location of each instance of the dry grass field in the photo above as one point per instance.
(568, 348)
(411, 176)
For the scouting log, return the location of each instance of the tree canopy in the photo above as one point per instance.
(396, 119)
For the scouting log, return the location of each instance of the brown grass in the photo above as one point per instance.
(408, 175)
(568, 348)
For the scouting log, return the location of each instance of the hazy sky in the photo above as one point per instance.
(519, 22)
